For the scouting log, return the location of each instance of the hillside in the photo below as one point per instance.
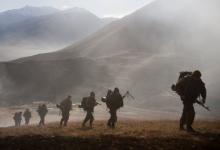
(10, 17)
(49, 80)
(129, 134)
(144, 52)
(44, 33)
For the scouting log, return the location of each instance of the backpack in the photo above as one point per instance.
(115, 101)
(66, 105)
(84, 103)
(181, 84)
(188, 87)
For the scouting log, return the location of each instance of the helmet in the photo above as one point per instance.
(116, 90)
(109, 91)
(197, 74)
(92, 94)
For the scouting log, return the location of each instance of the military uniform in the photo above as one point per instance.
(114, 102)
(17, 118)
(42, 111)
(65, 107)
(192, 87)
(89, 108)
(27, 116)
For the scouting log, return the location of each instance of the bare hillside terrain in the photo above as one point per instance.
(142, 52)
(128, 135)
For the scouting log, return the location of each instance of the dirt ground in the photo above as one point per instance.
(129, 134)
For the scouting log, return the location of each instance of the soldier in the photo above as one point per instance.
(27, 116)
(113, 101)
(17, 118)
(190, 88)
(65, 107)
(42, 111)
(88, 105)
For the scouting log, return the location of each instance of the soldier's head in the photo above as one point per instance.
(92, 94)
(109, 91)
(197, 74)
(69, 96)
(27, 109)
(116, 90)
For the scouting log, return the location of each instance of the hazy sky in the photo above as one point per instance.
(102, 8)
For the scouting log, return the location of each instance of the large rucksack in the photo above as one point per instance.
(84, 103)
(181, 84)
(115, 102)
(66, 105)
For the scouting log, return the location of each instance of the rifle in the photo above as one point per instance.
(202, 104)
(127, 94)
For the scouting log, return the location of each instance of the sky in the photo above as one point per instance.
(102, 8)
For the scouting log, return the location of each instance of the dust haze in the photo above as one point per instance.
(142, 52)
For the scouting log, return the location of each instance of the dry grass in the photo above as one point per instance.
(162, 134)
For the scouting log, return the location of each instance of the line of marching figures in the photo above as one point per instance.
(113, 101)
(189, 87)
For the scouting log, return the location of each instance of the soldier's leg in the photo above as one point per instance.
(62, 119)
(86, 119)
(43, 120)
(110, 119)
(183, 118)
(190, 119)
(91, 119)
(66, 118)
(40, 123)
(114, 118)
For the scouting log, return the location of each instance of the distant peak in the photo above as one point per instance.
(77, 10)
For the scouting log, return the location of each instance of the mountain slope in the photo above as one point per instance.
(17, 15)
(145, 51)
(49, 80)
(45, 33)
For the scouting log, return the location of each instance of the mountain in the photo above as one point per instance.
(43, 33)
(16, 15)
(144, 51)
(49, 80)
(59, 28)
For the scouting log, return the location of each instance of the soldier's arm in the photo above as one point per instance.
(203, 92)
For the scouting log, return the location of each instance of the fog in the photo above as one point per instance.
(101, 113)
(142, 52)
